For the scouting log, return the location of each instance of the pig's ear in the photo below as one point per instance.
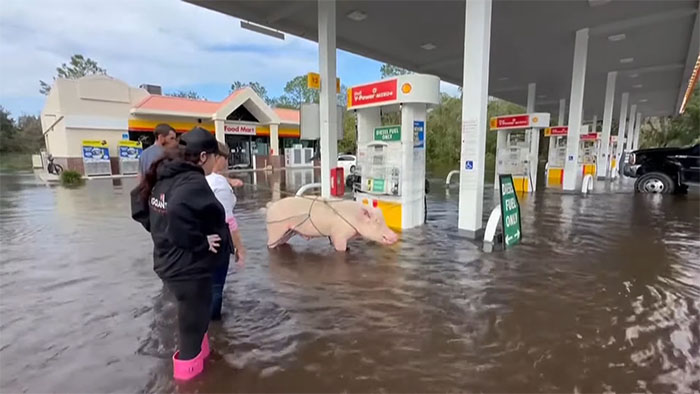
(365, 213)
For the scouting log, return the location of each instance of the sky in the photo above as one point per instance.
(169, 43)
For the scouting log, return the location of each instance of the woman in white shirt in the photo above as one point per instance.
(222, 188)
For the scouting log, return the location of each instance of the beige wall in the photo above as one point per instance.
(75, 137)
(90, 108)
(56, 141)
(97, 95)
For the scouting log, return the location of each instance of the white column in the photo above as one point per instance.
(219, 130)
(621, 133)
(275, 140)
(501, 140)
(534, 139)
(637, 127)
(603, 158)
(412, 168)
(578, 82)
(477, 47)
(327, 101)
(594, 126)
(630, 128)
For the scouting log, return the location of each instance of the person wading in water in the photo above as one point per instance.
(190, 238)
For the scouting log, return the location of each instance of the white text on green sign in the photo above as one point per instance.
(387, 133)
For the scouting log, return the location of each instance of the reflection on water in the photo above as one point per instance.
(604, 294)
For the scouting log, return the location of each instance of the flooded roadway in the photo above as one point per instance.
(603, 295)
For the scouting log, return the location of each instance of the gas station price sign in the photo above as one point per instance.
(510, 212)
(387, 133)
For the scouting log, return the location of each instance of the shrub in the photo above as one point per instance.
(70, 178)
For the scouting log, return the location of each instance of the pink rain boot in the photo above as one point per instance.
(205, 346)
(187, 369)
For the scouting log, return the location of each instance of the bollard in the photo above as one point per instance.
(587, 184)
(491, 226)
(449, 177)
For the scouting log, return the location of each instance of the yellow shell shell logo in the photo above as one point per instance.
(493, 123)
(534, 119)
(406, 88)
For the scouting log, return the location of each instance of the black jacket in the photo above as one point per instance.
(181, 211)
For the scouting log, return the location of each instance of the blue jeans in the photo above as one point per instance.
(218, 279)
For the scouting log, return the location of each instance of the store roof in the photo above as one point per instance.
(179, 106)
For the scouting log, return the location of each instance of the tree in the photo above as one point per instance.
(296, 93)
(8, 131)
(387, 70)
(78, 67)
(681, 130)
(23, 136)
(349, 142)
(189, 94)
(256, 86)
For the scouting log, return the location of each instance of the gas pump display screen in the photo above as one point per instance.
(378, 160)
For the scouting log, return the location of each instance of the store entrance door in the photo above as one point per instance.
(240, 152)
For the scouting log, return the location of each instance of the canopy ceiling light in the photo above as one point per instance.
(262, 30)
(617, 37)
(357, 16)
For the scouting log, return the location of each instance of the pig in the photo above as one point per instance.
(339, 220)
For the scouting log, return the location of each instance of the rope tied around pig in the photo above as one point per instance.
(308, 217)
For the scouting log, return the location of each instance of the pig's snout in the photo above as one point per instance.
(389, 237)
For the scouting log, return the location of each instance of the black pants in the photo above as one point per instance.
(218, 282)
(193, 312)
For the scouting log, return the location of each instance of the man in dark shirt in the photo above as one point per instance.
(166, 138)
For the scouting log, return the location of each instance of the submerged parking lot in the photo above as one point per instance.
(602, 295)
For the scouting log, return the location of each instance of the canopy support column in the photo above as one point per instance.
(327, 99)
(578, 83)
(475, 95)
(604, 153)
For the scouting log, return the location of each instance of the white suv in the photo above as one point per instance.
(348, 162)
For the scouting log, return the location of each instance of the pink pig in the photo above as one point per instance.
(313, 217)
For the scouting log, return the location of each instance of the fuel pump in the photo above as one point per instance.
(589, 144)
(513, 153)
(587, 153)
(391, 158)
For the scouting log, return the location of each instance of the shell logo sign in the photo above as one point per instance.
(406, 88)
(522, 121)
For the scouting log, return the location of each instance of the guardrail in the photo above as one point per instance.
(307, 187)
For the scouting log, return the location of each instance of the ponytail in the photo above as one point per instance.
(148, 181)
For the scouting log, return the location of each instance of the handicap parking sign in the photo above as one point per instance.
(469, 165)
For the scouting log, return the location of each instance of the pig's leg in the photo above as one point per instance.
(340, 243)
(278, 234)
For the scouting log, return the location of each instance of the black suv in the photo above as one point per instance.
(664, 170)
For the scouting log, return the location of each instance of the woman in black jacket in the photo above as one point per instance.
(190, 236)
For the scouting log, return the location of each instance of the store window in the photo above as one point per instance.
(262, 147)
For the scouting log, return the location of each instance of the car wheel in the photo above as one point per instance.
(352, 169)
(655, 182)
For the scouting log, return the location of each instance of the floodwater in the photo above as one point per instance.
(603, 295)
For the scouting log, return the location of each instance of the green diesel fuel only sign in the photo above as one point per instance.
(387, 133)
(510, 212)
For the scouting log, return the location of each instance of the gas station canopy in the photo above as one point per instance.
(653, 44)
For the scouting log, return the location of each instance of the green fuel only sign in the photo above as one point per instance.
(510, 212)
(387, 133)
